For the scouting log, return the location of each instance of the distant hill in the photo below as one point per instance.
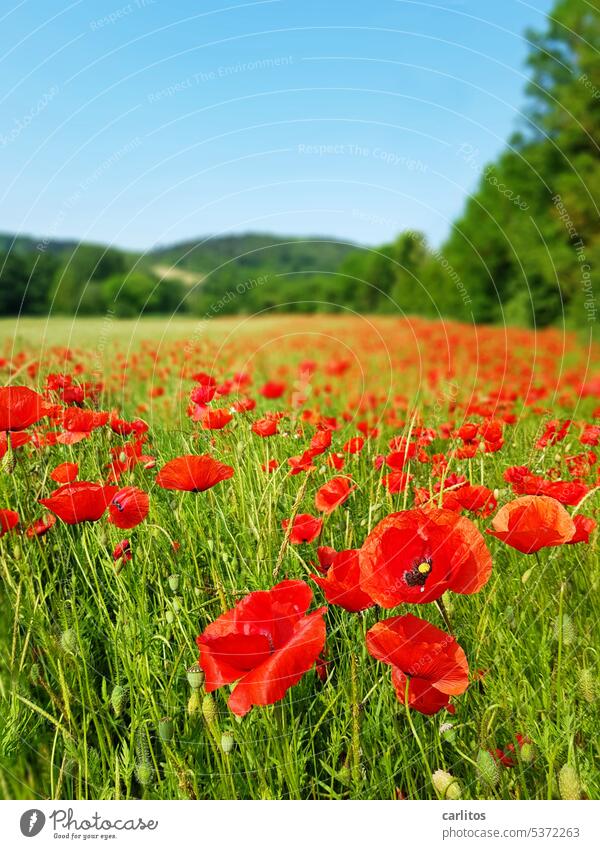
(188, 276)
(253, 251)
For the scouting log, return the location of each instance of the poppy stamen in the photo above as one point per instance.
(417, 576)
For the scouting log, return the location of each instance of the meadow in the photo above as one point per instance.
(105, 692)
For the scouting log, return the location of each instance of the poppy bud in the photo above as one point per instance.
(165, 729)
(487, 768)
(193, 702)
(526, 576)
(173, 582)
(446, 785)
(568, 630)
(527, 753)
(118, 699)
(68, 641)
(144, 772)
(209, 709)
(170, 617)
(9, 462)
(227, 742)
(587, 685)
(568, 783)
(195, 676)
(177, 604)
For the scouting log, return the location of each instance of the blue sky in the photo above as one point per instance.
(141, 123)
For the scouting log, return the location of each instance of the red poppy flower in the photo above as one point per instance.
(16, 441)
(125, 428)
(326, 555)
(272, 389)
(123, 551)
(129, 507)
(416, 555)
(79, 502)
(303, 463)
(270, 467)
(193, 473)
(396, 482)
(215, 419)
(332, 494)
(9, 519)
(432, 662)
(20, 407)
(584, 526)
(79, 424)
(320, 442)
(41, 526)
(202, 394)
(532, 522)
(244, 405)
(266, 643)
(354, 445)
(265, 427)
(305, 528)
(65, 473)
(336, 461)
(342, 583)
(475, 499)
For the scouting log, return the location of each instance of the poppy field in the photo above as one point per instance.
(315, 557)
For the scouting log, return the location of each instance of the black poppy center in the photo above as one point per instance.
(417, 576)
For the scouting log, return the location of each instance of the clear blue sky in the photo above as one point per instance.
(136, 123)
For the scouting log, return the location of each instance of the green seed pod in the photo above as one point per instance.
(170, 617)
(568, 783)
(173, 582)
(587, 685)
(195, 676)
(568, 630)
(177, 604)
(118, 699)
(209, 709)
(194, 702)
(446, 785)
(68, 641)
(165, 729)
(227, 742)
(487, 768)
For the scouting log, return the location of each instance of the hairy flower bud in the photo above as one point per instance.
(209, 709)
(568, 783)
(487, 768)
(68, 641)
(165, 729)
(118, 699)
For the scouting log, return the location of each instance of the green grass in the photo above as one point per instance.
(93, 658)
